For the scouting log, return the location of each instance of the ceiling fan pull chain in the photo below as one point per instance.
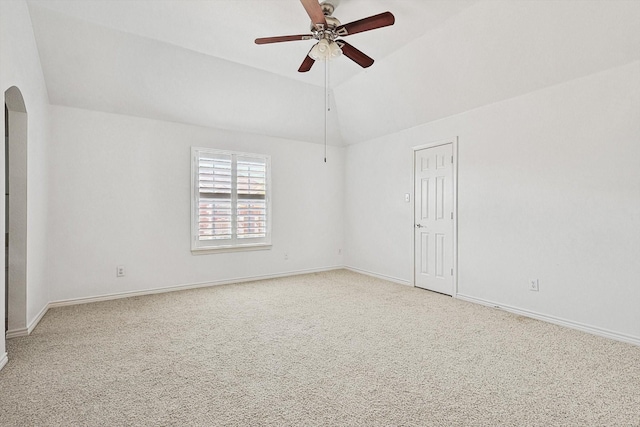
(328, 90)
(326, 105)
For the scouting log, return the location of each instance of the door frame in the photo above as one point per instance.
(454, 149)
(16, 164)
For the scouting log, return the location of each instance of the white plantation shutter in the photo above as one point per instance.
(252, 198)
(214, 205)
(231, 200)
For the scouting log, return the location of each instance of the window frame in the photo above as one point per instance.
(235, 245)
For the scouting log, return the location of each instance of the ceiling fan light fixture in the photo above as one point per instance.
(324, 50)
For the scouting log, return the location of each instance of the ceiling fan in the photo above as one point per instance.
(327, 29)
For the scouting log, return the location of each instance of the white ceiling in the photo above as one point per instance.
(226, 29)
(195, 61)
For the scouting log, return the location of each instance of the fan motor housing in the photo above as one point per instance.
(332, 22)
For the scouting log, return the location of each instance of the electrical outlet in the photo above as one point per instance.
(120, 271)
(286, 256)
(339, 251)
(534, 285)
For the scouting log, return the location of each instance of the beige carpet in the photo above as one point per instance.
(332, 349)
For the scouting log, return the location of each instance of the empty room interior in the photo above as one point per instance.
(292, 212)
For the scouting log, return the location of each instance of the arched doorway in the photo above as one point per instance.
(15, 137)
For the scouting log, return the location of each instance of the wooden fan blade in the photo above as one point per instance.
(306, 64)
(354, 54)
(371, 23)
(315, 13)
(278, 39)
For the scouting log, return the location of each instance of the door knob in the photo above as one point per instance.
(420, 226)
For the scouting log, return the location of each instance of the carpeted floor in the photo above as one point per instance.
(335, 348)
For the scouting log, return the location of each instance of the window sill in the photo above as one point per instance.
(223, 249)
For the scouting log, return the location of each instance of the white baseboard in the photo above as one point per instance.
(555, 320)
(182, 287)
(3, 360)
(23, 332)
(378, 276)
(15, 333)
(32, 325)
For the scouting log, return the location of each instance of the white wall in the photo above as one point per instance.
(20, 67)
(120, 195)
(549, 188)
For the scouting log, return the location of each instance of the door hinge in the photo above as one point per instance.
(451, 159)
(452, 271)
(451, 215)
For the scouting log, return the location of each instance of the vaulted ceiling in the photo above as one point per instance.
(195, 61)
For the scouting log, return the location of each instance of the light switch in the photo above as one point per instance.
(407, 197)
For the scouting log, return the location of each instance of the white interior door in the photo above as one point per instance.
(433, 218)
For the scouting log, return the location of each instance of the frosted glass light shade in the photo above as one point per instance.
(334, 50)
(324, 50)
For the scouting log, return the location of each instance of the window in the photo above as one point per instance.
(230, 205)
